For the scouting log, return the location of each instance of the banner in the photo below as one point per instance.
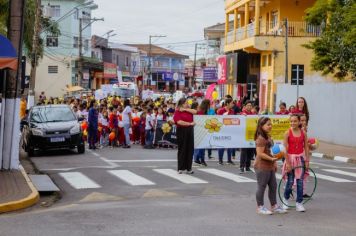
(210, 74)
(221, 60)
(165, 134)
(234, 131)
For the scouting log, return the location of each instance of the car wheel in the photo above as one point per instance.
(81, 148)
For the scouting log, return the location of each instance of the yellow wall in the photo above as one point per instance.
(294, 12)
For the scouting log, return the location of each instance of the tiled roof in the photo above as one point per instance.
(157, 51)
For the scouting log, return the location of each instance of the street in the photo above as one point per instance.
(138, 192)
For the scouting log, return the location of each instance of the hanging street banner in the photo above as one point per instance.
(234, 131)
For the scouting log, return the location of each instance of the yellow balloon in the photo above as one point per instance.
(215, 95)
(190, 102)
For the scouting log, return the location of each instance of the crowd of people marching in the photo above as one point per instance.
(117, 122)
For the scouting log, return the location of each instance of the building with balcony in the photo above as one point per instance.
(163, 69)
(257, 39)
(58, 69)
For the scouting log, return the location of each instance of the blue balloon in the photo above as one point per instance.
(276, 149)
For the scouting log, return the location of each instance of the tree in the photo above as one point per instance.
(335, 50)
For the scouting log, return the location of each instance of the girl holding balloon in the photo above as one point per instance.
(265, 168)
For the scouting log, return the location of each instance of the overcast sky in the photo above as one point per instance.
(180, 20)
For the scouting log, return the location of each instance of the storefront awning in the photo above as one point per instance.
(8, 57)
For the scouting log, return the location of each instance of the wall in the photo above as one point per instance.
(332, 110)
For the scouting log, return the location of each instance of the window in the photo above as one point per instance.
(86, 45)
(52, 41)
(55, 11)
(52, 69)
(297, 75)
(274, 20)
(269, 59)
(75, 42)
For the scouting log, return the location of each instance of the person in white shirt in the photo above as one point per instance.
(127, 122)
(149, 129)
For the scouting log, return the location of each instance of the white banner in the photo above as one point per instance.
(234, 131)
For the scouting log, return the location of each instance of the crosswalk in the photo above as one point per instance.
(78, 180)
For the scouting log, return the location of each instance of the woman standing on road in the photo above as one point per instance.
(183, 117)
(93, 124)
(265, 168)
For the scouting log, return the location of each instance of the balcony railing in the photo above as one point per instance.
(295, 29)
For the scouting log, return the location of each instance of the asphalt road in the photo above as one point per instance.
(137, 192)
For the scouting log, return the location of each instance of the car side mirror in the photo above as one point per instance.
(80, 119)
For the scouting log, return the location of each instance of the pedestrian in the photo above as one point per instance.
(199, 156)
(149, 128)
(282, 109)
(227, 109)
(301, 107)
(113, 125)
(297, 159)
(142, 127)
(104, 120)
(304, 128)
(183, 117)
(265, 168)
(127, 122)
(246, 153)
(92, 125)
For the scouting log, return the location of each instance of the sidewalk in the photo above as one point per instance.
(16, 191)
(336, 152)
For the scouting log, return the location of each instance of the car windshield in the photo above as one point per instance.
(51, 114)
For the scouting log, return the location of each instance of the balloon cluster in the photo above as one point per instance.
(84, 127)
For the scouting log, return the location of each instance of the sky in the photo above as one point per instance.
(179, 20)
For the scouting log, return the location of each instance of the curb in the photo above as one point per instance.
(28, 201)
(334, 158)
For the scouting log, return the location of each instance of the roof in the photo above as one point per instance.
(122, 47)
(157, 51)
(216, 31)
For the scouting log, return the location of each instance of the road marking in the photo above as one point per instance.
(333, 179)
(341, 159)
(318, 155)
(228, 175)
(130, 178)
(78, 180)
(341, 172)
(95, 154)
(134, 161)
(187, 179)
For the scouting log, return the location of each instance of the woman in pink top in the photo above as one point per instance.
(296, 143)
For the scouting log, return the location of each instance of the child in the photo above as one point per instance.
(104, 120)
(265, 167)
(135, 126)
(296, 144)
(282, 109)
(304, 127)
(113, 125)
(142, 127)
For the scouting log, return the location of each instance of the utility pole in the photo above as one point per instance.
(150, 53)
(36, 34)
(10, 135)
(194, 63)
(80, 60)
(286, 51)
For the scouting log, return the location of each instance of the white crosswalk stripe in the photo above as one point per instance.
(228, 175)
(332, 179)
(131, 178)
(187, 179)
(341, 172)
(78, 180)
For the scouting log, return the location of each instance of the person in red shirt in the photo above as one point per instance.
(301, 108)
(226, 110)
(282, 109)
(246, 153)
(183, 117)
(113, 123)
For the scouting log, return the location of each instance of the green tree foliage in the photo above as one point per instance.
(335, 50)
(47, 26)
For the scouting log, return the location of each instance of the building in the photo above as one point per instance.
(255, 46)
(58, 69)
(166, 70)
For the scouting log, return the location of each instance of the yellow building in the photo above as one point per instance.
(260, 30)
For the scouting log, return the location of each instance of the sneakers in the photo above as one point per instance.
(204, 163)
(285, 204)
(263, 211)
(242, 170)
(190, 172)
(221, 163)
(231, 163)
(180, 172)
(248, 169)
(299, 207)
(278, 209)
(197, 162)
(306, 196)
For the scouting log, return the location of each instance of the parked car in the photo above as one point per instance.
(52, 127)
